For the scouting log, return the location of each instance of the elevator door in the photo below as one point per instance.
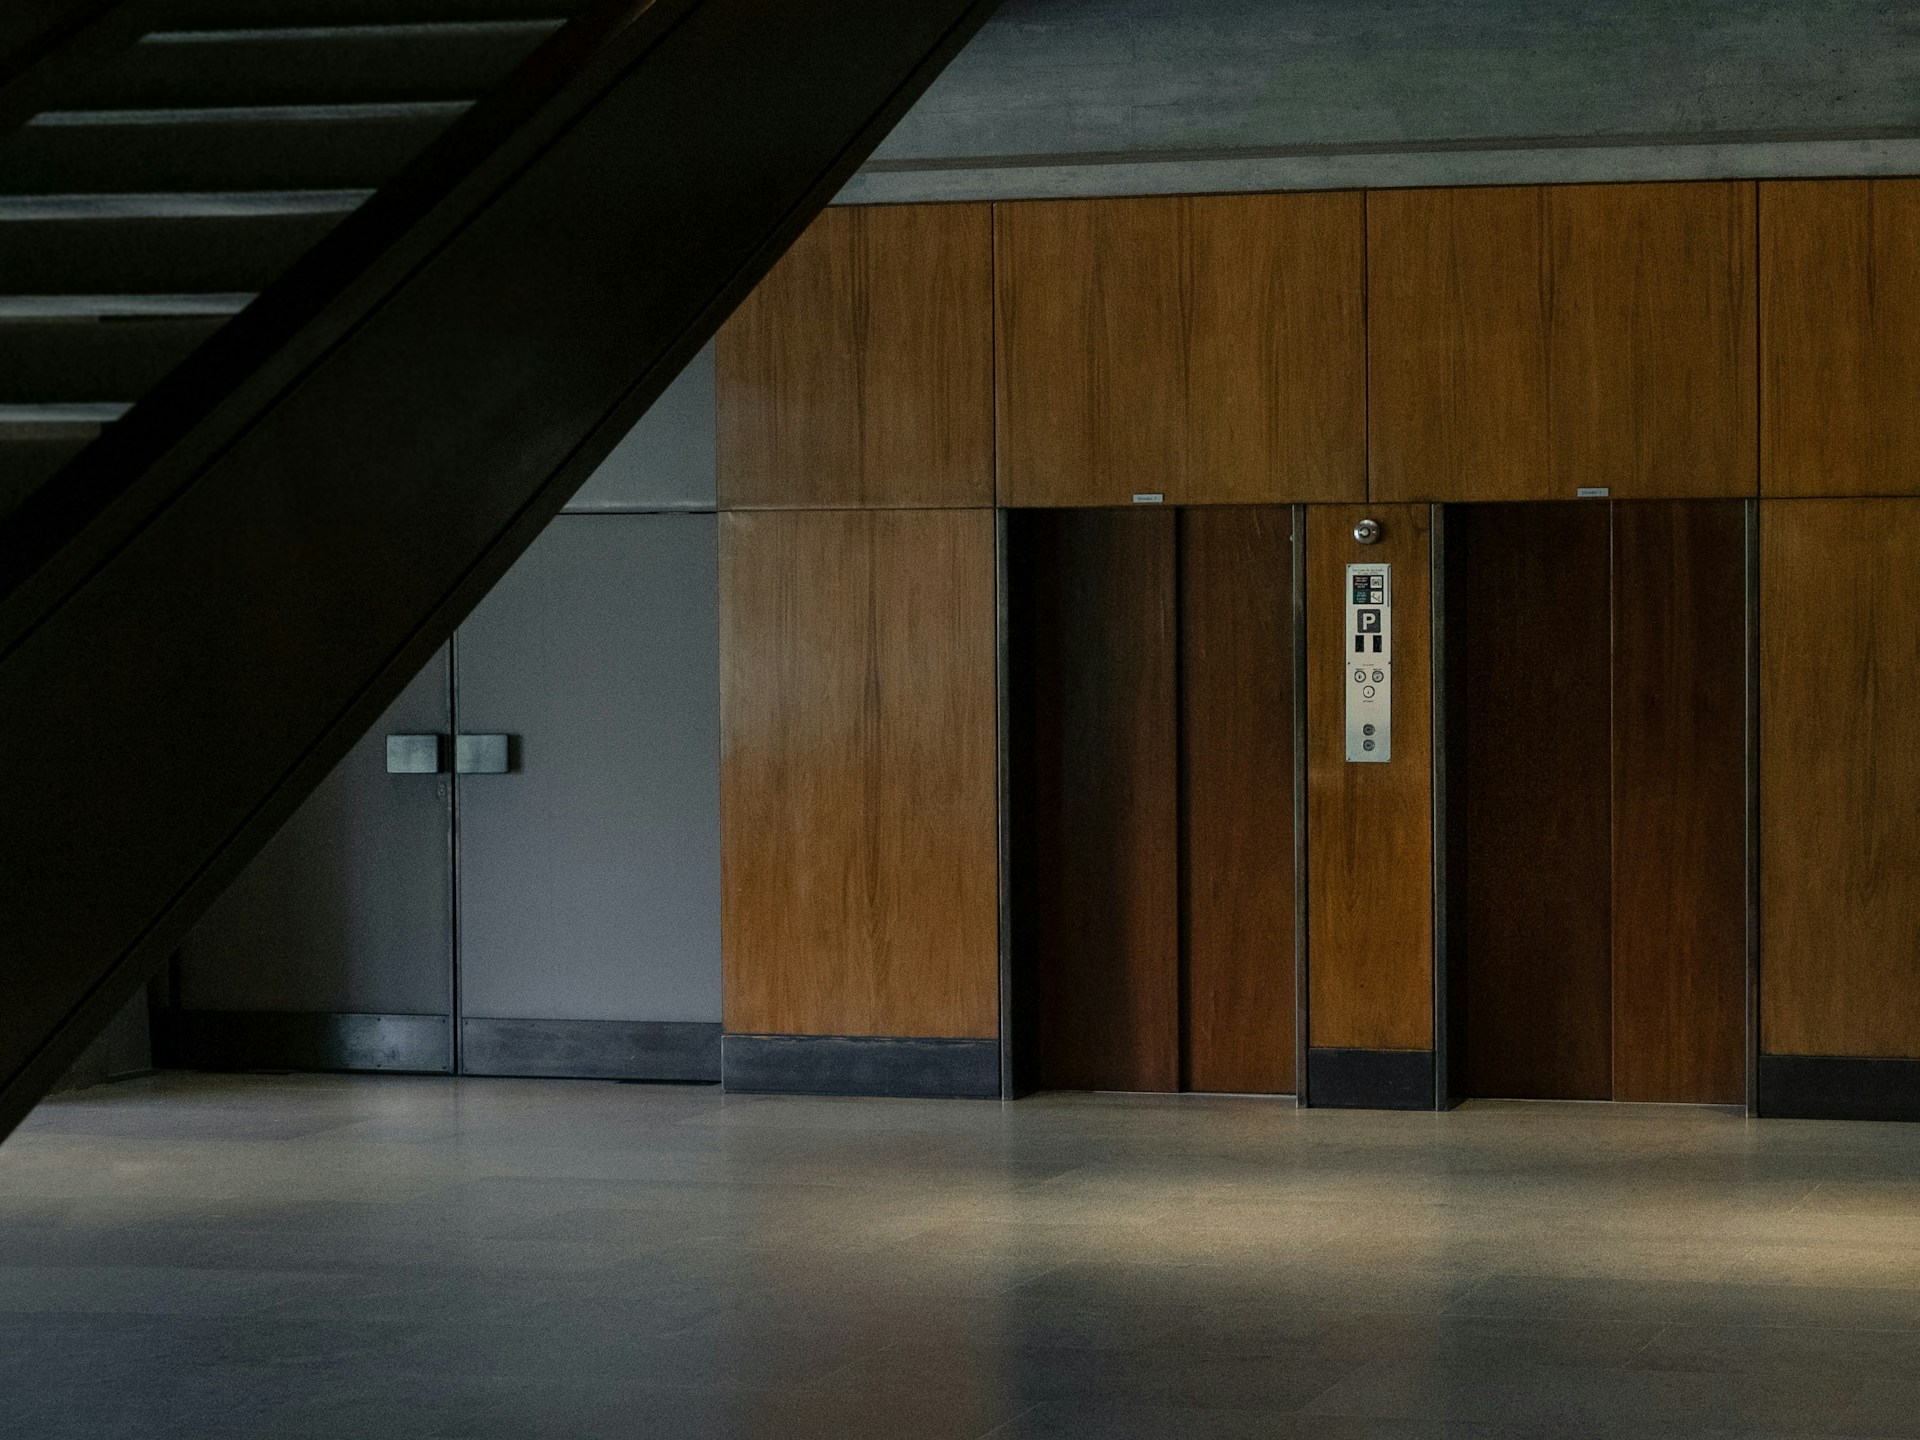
(1150, 813)
(1595, 800)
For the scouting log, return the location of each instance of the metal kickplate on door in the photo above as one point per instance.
(1369, 663)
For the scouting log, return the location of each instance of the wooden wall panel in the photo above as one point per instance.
(860, 371)
(1236, 659)
(1652, 340)
(1679, 802)
(1369, 827)
(1087, 343)
(1530, 768)
(1840, 777)
(1457, 344)
(1526, 342)
(1093, 751)
(1840, 336)
(858, 791)
(1206, 348)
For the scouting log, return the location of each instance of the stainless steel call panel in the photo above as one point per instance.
(1369, 661)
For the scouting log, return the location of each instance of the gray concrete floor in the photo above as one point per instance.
(321, 1256)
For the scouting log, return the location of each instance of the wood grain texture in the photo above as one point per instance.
(1236, 661)
(1840, 777)
(1529, 767)
(858, 791)
(1207, 348)
(1369, 827)
(859, 372)
(1528, 341)
(1840, 337)
(1093, 750)
(1679, 802)
(1457, 346)
(1651, 348)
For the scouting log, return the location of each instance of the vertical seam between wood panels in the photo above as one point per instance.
(1366, 357)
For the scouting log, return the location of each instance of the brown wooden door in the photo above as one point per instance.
(1529, 774)
(1528, 342)
(858, 792)
(1679, 908)
(1236, 742)
(1094, 827)
(1596, 798)
(859, 373)
(1840, 777)
(1840, 336)
(1208, 349)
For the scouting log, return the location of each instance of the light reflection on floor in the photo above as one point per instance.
(313, 1256)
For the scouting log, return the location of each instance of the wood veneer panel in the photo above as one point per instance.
(1087, 342)
(1369, 827)
(1840, 777)
(1276, 379)
(1095, 824)
(1651, 348)
(859, 372)
(1840, 337)
(1679, 802)
(1525, 342)
(858, 793)
(1457, 344)
(1236, 659)
(1206, 348)
(1527, 649)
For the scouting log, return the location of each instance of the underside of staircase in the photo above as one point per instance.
(312, 313)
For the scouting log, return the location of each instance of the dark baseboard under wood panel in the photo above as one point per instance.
(862, 1065)
(420, 1044)
(667, 1050)
(300, 1040)
(1370, 1079)
(1839, 1087)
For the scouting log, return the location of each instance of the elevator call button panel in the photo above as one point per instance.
(1369, 663)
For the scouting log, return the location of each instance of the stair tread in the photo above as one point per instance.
(256, 150)
(179, 205)
(100, 307)
(32, 421)
(239, 14)
(310, 65)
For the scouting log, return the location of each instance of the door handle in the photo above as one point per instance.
(482, 754)
(416, 754)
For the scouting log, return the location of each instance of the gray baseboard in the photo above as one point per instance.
(300, 1040)
(862, 1065)
(1839, 1087)
(592, 1049)
(1370, 1079)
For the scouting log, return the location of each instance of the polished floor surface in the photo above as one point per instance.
(322, 1256)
